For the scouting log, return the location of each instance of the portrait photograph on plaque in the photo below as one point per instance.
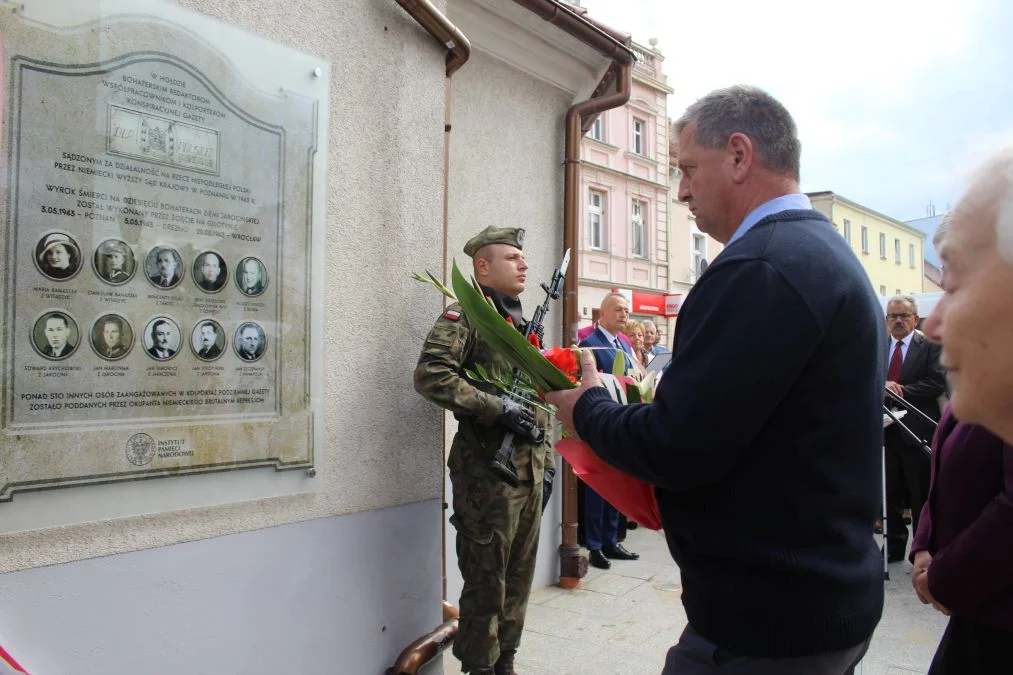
(58, 256)
(210, 272)
(143, 139)
(250, 342)
(164, 267)
(114, 262)
(112, 336)
(55, 335)
(161, 338)
(251, 277)
(208, 340)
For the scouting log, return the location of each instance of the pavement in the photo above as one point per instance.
(622, 621)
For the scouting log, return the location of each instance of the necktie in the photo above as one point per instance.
(896, 361)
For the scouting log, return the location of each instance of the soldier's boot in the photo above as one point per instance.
(505, 663)
(483, 671)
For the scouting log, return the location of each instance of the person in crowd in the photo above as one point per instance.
(634, 332)
(962, 550)
(652, 340)
(915, 375)
(974, 318)
(497, 524)
(778, 351)
(601, 519)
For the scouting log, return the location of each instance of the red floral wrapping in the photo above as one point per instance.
(631, 496)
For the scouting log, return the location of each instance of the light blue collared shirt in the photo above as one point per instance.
(775, 205)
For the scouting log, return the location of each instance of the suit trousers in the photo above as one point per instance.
(601, 521)
(696, 655)
(907, 484)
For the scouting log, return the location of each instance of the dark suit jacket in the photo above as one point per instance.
(605, 358)
(924, 380)
(154, 353)
(67, 350)
(157, 280)
(212, 352)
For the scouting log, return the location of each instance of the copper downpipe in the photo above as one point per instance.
(572, 565)
(426, 648)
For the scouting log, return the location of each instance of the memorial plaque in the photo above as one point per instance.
(157, 245)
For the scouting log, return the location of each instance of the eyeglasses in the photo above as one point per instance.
(905, 316)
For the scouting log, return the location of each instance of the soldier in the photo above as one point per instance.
(497, 525)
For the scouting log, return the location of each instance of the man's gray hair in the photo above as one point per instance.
(750, 111)
(942, 229)
(648, 321)
(904, 298)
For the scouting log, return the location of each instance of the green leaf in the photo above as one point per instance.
(633, 393)
(432, 280)
(619, 363)
(505, 339)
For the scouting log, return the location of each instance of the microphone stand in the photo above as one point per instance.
(923, 445)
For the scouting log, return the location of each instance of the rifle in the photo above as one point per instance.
(502, 464)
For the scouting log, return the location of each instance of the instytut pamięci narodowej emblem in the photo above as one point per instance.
(140, 449)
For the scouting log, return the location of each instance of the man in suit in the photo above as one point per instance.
(167, 275)
(251, 343)
(774, 399)
(209, 347)
(251, 280)
(601, 519)
(651, 337)
(58, 335)
(915, 375)
(161, 340)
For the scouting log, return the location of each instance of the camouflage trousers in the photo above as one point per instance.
(497, 540)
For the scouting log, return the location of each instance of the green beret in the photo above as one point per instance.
(514, 236)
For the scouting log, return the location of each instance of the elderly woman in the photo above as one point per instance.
(634, 330)
(963, 549)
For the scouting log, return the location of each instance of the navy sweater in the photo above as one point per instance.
(764, 441)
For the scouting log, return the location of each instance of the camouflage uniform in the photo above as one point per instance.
(497, 525)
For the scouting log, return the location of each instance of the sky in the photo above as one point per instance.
(896, 101)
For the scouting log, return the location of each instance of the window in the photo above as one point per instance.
(596, 129)
(847, 230)
(911, 255)
(639, 142)
(699, 254)
(595, 219)
(637, 235)
(865, 239)
(882, 290)
(896, 251)
(882, 246)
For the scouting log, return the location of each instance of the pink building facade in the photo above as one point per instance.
(624, 235)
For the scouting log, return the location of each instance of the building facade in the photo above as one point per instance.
(891, 251)
(624, 238)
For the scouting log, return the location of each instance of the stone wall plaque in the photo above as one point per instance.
(158, 228)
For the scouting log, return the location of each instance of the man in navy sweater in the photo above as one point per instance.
(764, 439)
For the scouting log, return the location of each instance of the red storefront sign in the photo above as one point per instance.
(648, 303)
(673, 303)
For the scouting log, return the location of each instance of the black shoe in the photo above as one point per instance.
(505, 663)
(618, 552)
(631, 525)
(598, 559)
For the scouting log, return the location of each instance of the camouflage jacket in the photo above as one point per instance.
(452, 345)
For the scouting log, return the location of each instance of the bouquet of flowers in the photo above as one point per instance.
(555, 369)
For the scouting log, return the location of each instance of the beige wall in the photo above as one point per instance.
(384, 211)
(887, 275)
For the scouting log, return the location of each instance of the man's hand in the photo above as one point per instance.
(920, 581)
(896, 388)
(565, 400)
(517, 417)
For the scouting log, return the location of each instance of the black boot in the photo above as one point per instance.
(505, 663)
